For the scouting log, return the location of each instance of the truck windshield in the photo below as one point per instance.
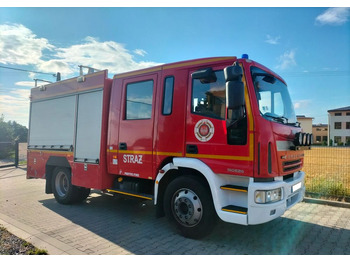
(273, 98)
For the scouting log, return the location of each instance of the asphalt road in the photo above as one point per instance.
(109, 225)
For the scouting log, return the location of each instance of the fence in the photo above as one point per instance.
(12, 154)
(328, 172)
(327, 168)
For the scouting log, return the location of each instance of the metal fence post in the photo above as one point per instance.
(16, 153)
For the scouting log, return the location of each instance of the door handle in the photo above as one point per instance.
(123, 146)
(191, 149)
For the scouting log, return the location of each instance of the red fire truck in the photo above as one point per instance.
(203, 139)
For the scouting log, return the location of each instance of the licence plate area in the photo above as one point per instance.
(296, 187)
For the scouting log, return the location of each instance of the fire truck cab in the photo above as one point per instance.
(203, 139)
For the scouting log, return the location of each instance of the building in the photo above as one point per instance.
(305, 123)
(339, 126)
(320, 134)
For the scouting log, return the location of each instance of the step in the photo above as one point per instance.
(235, 209)
(235, 188)
(130, 193)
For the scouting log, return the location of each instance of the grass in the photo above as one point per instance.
(328, 171)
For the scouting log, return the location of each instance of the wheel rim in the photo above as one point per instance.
(187, 207)
(61, 184)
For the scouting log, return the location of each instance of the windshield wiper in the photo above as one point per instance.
(280, 119)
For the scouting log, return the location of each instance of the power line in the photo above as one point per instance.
(24, 70)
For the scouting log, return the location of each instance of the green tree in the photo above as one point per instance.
(6, 133)
(12, 131)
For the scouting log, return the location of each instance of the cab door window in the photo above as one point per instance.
(139, 98)
(209, 99)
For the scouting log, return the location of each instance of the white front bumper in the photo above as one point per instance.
(261, 213)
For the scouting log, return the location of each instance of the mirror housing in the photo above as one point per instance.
(234, 94)
(206, 75)
(234, 86)
(233, 73)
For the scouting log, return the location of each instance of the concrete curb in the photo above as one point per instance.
(326, 202)
(37, 238)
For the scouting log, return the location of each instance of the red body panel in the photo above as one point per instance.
(152, 143)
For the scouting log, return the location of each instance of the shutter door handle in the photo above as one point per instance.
(123, 146)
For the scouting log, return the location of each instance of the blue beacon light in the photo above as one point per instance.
(245, 56)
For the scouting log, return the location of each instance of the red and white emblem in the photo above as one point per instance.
(204, 130)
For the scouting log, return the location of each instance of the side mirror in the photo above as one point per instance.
(205, 75)
(234, 86)
(234, 94)
(233, 73)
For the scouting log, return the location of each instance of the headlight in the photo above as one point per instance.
(267, 196)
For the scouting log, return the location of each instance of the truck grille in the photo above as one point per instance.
(291, 165)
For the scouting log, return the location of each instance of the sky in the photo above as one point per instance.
(308, 46)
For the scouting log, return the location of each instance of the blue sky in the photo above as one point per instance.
(308, 46)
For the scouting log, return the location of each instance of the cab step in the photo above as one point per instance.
(235, 188)
(235, 209)
(131, 194)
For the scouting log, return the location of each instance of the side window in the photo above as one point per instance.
(139, 97)
(168, 95)
(209, 99)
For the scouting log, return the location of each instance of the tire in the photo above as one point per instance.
(82, 194)
(189, 206)
(63, 190)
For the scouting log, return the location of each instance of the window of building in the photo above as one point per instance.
(348, 113)
(337, 139)
(318, 138)
(324, 138)
(347, 125)
(337, 114)
(168, 95)
(337, 125)
(139, 97)
(209, 99)
(347, 140)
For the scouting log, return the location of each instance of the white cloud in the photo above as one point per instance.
(101, 55)
(334, 16)
(272, 40)
(140, 52)
(15, 106)
(287, 60)
(301, 104)
(55, 65)
(20, 46)
(25, 83)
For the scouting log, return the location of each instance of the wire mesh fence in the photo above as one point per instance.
(328, 172)
(327, 168)
(12, 154)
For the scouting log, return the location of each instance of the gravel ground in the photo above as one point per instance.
(12, 245)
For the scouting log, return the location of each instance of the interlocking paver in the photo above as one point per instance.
(107, 225)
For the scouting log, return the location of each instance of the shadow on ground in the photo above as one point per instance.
(132, 225)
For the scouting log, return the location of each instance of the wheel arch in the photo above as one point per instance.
(51, 164)
(182, 167)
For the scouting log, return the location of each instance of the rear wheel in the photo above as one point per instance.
(188, 204)
(63, 190)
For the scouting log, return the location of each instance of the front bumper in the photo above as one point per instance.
(261, 213)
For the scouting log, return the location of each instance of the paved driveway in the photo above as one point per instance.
(109, 225)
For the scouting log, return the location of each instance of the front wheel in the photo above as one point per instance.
(189, 205)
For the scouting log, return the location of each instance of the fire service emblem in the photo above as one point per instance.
(204, 130)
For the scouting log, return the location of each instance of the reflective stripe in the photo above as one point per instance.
(128, 194)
